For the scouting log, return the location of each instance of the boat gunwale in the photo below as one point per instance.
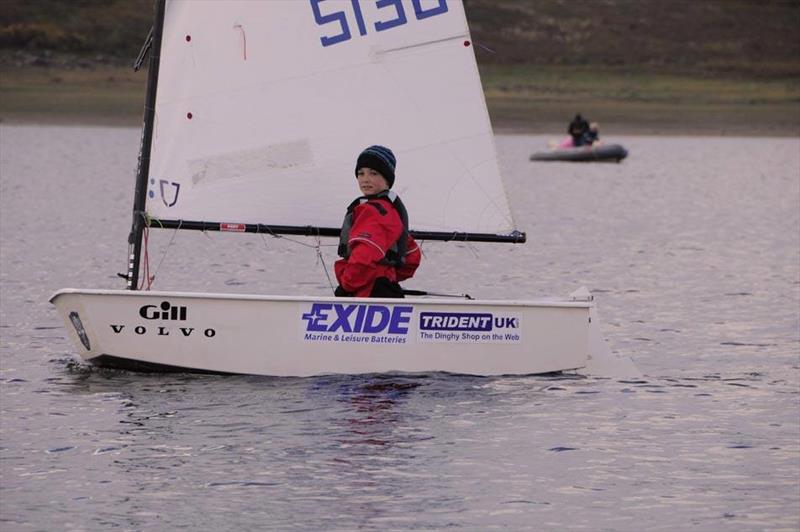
(306, 299)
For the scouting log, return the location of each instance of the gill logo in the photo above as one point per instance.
(164, 311)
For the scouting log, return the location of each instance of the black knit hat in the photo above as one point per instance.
(379, 158)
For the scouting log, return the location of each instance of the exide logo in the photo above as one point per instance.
(335, 317)
(165, 311)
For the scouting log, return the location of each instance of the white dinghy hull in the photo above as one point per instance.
(305, 336)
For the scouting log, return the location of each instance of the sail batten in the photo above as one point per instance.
(263, 106)
(458, 37)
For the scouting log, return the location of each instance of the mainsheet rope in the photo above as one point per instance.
(164, 255)
(148, 279)
(317, 247)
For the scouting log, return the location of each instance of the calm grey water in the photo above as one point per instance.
(691, 246)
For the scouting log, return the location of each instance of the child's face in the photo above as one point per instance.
(371, 181)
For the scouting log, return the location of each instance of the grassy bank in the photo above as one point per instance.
(99, 95)
(520, 98)
(541, 98)
(637, 66)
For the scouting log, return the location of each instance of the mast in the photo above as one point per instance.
(143, 168)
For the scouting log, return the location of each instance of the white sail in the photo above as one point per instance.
(263, 106)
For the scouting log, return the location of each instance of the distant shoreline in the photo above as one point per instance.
(521, 100)
(656, 130)
(557, 131)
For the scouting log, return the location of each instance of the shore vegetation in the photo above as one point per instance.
(715, 67)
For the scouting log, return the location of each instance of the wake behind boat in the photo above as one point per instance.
(253, 113)
(595, 153)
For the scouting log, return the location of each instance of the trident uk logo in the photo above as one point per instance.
(465, 321)
(469, 327)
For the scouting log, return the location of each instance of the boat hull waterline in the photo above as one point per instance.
(305, 336)
(604, 153)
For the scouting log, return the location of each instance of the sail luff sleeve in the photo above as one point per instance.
(143, 169)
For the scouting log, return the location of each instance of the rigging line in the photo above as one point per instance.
(146, 279)
(143, 259)
(321, 259)
(484, 47)
(164, 255)
(423, 44)
(143, 268)
(473, 249)
(293, 241)
(435, 294)
(316, 246)
(148, 41)
(149, 219)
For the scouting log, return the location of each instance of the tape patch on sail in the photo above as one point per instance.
(250, 162)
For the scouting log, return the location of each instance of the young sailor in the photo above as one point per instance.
(592, 135)
(377, 251)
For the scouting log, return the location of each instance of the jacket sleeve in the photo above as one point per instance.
(412, 260)
(372, 234)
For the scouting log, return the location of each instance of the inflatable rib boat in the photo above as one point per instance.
(602, 153)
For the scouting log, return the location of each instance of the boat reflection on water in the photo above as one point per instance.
(374, 416)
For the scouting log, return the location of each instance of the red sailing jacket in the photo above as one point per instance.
(376, 228)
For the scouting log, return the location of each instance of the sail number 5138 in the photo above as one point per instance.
(395, 15)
